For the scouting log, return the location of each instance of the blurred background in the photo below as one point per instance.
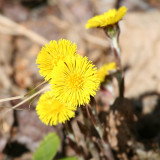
(26, 25)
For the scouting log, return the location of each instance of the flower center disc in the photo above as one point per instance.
(75, 81)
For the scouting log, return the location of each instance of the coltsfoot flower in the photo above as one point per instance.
(52, 54)
(75, 80)
(104, 70)
(51, 111)
(108, 18)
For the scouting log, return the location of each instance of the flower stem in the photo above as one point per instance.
(73, 142)
(103, 145)
(120, 74)
(116, 51)
(113, 33)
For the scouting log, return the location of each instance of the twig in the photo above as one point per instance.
(7, 26)
(11, 98)
(27, 99)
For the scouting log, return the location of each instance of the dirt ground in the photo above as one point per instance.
(26, 25)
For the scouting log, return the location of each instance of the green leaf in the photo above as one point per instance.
(47, 148)
(69, 158)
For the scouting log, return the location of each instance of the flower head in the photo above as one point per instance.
(75, 80)
(108, 18)
(52, 54)
(51, 111)
(104, 70)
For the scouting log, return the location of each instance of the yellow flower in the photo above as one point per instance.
(108, 18)
(52, 54)
(51, 111)
(104, 70)
(75, 80)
